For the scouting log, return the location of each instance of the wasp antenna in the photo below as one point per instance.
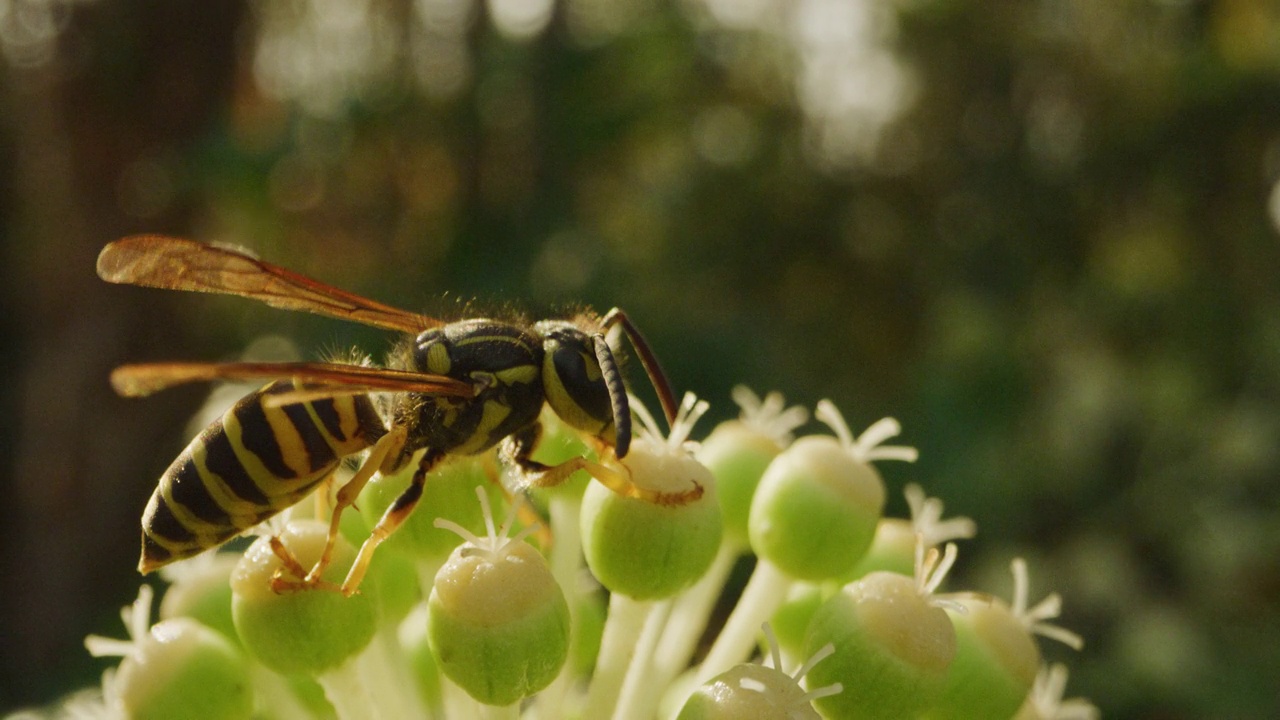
(652, 368)
(618, 402)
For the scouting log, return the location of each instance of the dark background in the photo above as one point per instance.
(1042, 234)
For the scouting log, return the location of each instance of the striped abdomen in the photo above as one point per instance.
(248, 465)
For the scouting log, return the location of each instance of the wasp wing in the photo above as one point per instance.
(144, 379)
(179, 264)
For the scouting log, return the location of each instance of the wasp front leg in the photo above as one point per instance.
(518, 450)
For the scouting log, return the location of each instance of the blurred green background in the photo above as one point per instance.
(1042, 233)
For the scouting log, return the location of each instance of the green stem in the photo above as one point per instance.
(621, 631)
(566, 567)
(638, 699)
(386, 671)
(347, 693)
(275, 693)
(764, 594)
(689, 617)
(501, 712)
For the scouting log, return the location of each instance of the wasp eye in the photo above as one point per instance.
(575, 385)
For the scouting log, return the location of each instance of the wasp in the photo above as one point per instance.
(449, 388)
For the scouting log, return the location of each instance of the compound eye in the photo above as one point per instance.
(575, 387)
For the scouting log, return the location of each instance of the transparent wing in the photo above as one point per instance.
(179, 264)
(144, 379)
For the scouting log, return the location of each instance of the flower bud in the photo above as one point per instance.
(306, 630)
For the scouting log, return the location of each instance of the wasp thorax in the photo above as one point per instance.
(502, 361)
(573, 379)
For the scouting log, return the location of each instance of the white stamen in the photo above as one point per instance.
(823, 653)
(1046, 697)
(866, 448)
(137, 624)
(931, 568)
(690, 411)
(775, 652)
(926, 519)
(1034, 618)
(770, 417)
(826, 413)
(496, 544)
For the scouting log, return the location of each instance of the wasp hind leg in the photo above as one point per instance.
(391, 520)
(388, 445)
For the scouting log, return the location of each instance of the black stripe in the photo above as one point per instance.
(187, 489)
(258, 438)
(368, 422)
(327, 411)
(153, 552)
(319, 454)
(163, 523)
(220, 458)
(407, 499)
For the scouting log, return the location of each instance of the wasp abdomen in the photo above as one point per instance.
(255, 461)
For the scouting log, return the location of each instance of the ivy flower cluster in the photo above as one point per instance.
(598, 600)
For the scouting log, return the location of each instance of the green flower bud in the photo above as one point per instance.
(166, 666)
(791, 620)
(736, 455)
(894, 644)
(738, 451)
(996, 656)
(184, 669)
(749, 691)
(304, 630)
(201, 590)
(995, 665)
(499, 623)
(643, 549)
(758, 691)
(816, 509)
(893, 549)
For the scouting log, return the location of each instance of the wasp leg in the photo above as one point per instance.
(292, 568)
(388, 444)
(390, 521)
(518, 448)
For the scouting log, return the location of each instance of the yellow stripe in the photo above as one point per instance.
(292, 449)
(519, 374)
(271, 486)
(345, 406)
(206, 533)
(176, 547)
(469, 339)
(243, 513)
(491, 416)
(438, 360)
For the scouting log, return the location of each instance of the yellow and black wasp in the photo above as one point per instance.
(453, 388)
